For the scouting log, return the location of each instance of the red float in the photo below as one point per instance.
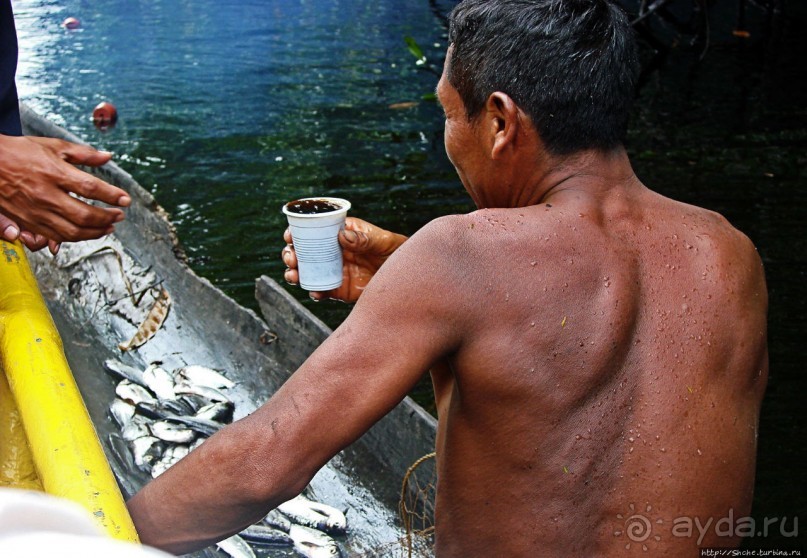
(71, 23)
(104, 116)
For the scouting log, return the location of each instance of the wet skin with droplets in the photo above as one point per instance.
(631, 385)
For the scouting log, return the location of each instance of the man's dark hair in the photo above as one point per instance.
(571, 65)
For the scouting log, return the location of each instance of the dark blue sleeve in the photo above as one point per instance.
(9, 105)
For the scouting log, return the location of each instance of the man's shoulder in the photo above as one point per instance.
(471, 235)
(497, 236)
(444, 233)
(431, 251)
(720, 230)
(722, 244)
(488, 224)
(450, 248)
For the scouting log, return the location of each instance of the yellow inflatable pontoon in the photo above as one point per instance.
(47, 440)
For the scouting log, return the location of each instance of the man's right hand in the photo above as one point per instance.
(365, 248)
(37, 178)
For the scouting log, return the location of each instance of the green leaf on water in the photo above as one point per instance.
(429, 97)
(415, 49)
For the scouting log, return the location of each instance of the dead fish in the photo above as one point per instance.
(277, 520)
(204, 376)
(159, 381)
(204, 427)
(122, 412)
(196, 444)
(171, 456)
(146, 450)
(163, 410)
(133, 393)
(159, 468)
(219, 411)
(312, 543)
(236, 547)
(177, 406)
(121, 464)
(172, 432)
(195, 402)
(178, 452)
(124, 371)
(137, 428)
(152, 323)
(264, 535)
(153, 410)
(184, 387)
(312, 514)
(158, 412)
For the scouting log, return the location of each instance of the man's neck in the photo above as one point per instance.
(593, 172)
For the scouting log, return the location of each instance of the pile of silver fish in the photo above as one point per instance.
(164, 415)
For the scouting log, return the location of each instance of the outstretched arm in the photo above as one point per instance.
(353, 379)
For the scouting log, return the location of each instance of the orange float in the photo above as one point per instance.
(71, 23)
(104, 116)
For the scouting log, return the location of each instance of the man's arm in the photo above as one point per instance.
(353, 379)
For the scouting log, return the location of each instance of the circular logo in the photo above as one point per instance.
(638, 528)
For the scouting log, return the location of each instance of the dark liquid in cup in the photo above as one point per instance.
(310, 207)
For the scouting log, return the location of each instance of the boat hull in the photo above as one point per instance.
(207, 327)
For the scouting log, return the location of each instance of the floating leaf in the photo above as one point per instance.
(415, 49)
(404, 105)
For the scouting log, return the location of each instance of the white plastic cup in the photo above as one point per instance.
(316, 242)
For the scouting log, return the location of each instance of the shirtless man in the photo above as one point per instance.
(598, 351)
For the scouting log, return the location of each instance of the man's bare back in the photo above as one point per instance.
(613, 365)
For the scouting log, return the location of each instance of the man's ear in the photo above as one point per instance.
(503, 122)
